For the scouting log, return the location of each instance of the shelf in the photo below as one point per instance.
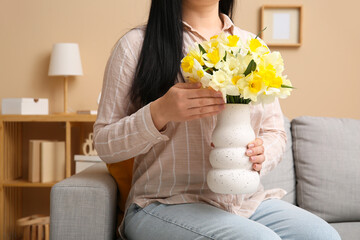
(18, 195)
(24, 183)
(71, 117)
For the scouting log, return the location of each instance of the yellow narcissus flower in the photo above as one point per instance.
(200, 73)
(197, 74)
(251, 86)
(257, 47)
(214, 44)
(235, 79)
(233, 40)
(187, 64)
(195, 53)
(269, 76)
(254, 44)
(214, 56)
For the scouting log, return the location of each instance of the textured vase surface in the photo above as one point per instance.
(232, 170)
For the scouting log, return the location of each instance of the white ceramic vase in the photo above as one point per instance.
(232, 170)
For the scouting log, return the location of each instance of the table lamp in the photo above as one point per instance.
(65, 61)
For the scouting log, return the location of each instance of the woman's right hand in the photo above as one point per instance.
(184, 102)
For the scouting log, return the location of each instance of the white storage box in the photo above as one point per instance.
(82, 162)
(25, 106)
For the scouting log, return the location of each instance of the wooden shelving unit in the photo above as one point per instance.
(15, 132)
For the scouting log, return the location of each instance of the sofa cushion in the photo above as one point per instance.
(327, 165)
(283, 176)
(348, 230)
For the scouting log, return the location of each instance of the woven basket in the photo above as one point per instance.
(36, 227)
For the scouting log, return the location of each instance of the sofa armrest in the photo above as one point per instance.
(84, 206)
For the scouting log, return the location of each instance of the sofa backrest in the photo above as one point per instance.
(327, 160)
(283, 176)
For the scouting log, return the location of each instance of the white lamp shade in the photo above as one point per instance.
(65, 60)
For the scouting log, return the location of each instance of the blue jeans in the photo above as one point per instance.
(274, 219)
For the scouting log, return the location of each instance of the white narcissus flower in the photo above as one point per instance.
(285, 92)
(275, 60)
(243, 62)
(219, 81)
(231, 65)
(231, 43)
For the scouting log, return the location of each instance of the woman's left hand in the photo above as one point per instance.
(256, 153)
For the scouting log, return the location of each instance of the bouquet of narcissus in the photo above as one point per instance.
(243, 71)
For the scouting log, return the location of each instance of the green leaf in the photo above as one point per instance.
(260, 33)
(237, 99)
(251, 67)
(202, 50)
(286, 86)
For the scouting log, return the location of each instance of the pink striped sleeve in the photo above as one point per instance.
(273, 134)
(118, 135)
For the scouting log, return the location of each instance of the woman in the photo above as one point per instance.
(148, 112)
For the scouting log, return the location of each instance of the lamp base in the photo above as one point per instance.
(65, 94)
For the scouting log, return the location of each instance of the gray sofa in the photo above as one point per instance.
(320, 170)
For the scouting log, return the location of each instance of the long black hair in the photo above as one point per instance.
(161, 53)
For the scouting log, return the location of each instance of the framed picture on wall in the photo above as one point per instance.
(283, 25)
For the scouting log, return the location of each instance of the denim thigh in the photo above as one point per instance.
(191, 221)
(292, 223)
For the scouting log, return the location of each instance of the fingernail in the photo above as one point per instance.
(251, 145)
(248, 152)
(252, 159)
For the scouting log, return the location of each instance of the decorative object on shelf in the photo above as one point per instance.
(244, 71)
(284, 25)
(25, 106)
(65, 61)
(88, 146)
(82, 162)
(91, 112)
(36, 227)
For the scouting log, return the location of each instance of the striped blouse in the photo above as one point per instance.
(171, 166)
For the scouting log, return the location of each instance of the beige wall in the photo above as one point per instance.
(324, 69)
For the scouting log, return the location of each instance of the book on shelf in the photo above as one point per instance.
(34, 160)
(52, 166)
(46, 161)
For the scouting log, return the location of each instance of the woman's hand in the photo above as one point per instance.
(256, 153)
(184, 102)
